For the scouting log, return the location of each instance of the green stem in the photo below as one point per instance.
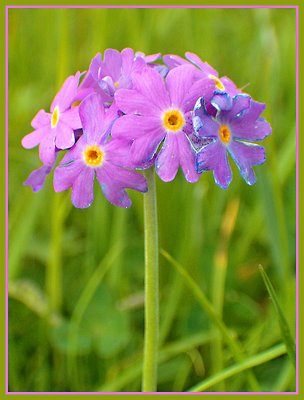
(149, 382)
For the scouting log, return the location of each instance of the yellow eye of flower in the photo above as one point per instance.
(173, 120)
(218, 83)
(224, 134)
(93, 156)
(55, 117)
(76, 103)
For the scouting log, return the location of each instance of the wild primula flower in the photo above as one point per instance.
(95, 155)
(230, 131)
(157, 110)
(56, 129)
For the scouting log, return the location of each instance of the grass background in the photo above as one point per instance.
(76, 276)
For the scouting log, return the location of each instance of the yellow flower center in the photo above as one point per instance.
(55, 117)
(116, 85)
(224, 134)
(76, 103)
(93, 156)
(173, 120)
(218, 83)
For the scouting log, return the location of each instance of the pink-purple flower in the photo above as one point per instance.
(157, 110)
(230, 131)
(55, 130)
(132, 112)
(95, 155)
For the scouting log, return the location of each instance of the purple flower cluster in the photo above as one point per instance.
(129, 112)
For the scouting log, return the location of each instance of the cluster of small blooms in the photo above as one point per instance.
(129, 112)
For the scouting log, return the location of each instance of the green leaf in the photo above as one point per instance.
(114, 334)
(108, 327)
(59, 339)
(286, 335)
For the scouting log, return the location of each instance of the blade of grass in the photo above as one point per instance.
(244, 365)
(209, 309)
(286, 335)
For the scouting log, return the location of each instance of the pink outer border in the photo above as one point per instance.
(296, 7)
(6, 199)
(152, 6)
(297, 198)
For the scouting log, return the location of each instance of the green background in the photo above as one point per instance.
(55, 249)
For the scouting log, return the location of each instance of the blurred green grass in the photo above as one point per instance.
(55, 249)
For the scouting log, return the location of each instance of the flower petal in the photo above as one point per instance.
(41, 119)
(118, 152)
(203, 66)
(230, 86)
(203, 124)
(127, 59)
(66, 94)
(173, 60)
(65, 175)
(245, 155)
(143, 148)
(36, 178)
(130, 101)
(47, 148)
(131, 127)
(113, 180)
(92, 116)
(240, 103)
(95, 66)
(83, 188)
(112, 62)
(167, 161)
(202, 87)
(152, 86)
(178, 82)
(151, 58)
(65, 137)
(214, 157)
(251, 132)
(34, 138)
(187, 158)
(71, 118)
(222, 101)
(248, 125)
